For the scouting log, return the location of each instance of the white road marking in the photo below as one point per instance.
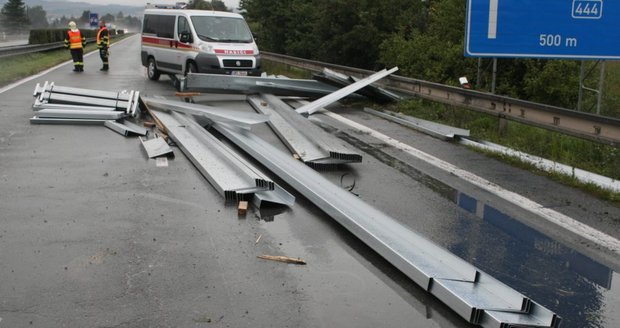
(597, 237)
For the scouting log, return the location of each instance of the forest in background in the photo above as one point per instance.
(424, 38)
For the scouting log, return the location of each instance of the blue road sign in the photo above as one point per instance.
(578, 29)
(94, 20)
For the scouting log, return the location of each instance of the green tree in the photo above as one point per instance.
(13, 16)
(108, 18)
(37, 17)
(272, 21)
(208, 5)
(84, 19)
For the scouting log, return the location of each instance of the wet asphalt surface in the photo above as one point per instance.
(93, 234)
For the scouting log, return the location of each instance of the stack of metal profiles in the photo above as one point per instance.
(310, 143)
(474, 295)
(56, 104)
(231, 175)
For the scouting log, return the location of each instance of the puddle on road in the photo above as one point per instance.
(580, 289)
(584, 292)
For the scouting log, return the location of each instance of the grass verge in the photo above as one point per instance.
(590, 156)
(18, 67)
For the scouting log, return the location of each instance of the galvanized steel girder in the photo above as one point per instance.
(475, 296)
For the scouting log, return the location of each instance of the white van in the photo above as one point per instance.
(179, 41)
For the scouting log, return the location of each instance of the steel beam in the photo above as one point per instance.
(457, 283)
(59, 98)
(244, 119)
(232, 176)
(313, 145)
(218, 83)
(312, 107)
(37, 120)
(372, 92)
(436, 130)
(79, 114)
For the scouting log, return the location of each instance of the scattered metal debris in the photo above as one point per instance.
(377, 94)
(126, 128)
(314, 146)
(316, 105)
(156, 147)
(436, 130)
(476, 296)
(241, 119)
(217, 83)
(231, 175)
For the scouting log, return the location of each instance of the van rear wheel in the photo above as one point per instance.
(151, 70)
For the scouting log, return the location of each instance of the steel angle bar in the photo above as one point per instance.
(38, 105)
(341, 93)
(116, 127)
(38, 120)
(126, 128)
(238, 118)
(252, 84)
(232, 176)
(337, 152)
(79, 114)
(414, 255)
(469, 299)
(499, 319)
(122, 95)
(372, 92)
(135, 128)
(156, 147)
(291, 136)
(436, 130)
(58, 98)
(285, 88)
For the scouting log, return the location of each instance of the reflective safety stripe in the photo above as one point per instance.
(102, 37)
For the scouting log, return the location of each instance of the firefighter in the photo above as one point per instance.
(103, 43)
(75, 42)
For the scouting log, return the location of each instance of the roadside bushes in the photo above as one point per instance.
(40, 36)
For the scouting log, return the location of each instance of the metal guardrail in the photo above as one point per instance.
(583, 125)
(32, 48)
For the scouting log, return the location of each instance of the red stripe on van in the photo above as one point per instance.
(165, 42)
(234, 52)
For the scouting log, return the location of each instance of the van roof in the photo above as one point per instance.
(191, 12)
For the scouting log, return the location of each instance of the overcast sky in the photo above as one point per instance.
(229, 3)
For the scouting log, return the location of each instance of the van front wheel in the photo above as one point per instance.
(191, 68)
(151, 70)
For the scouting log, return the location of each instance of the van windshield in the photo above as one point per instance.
(222, 29)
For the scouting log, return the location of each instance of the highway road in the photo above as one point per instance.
(94, 234)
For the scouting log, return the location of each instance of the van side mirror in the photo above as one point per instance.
(186, 37)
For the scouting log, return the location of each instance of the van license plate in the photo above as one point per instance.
(239, 73)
